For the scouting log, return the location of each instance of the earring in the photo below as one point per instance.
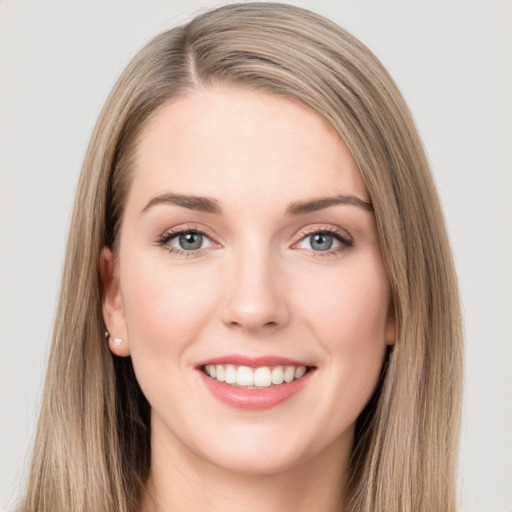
(107, 334)
(117, 341)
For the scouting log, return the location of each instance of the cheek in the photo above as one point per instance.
(351, 309)
(164, 306)
(166, 309)
(348, 318)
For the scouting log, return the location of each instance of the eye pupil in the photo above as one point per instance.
(190, 241)
(320, 241)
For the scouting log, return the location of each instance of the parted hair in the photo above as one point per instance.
(92, 447)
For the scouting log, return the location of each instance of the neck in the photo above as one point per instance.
(190, 484)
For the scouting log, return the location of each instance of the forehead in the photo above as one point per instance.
(242, 145)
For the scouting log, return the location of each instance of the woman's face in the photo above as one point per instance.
(248, 250)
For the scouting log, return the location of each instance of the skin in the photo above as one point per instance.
(256, 287)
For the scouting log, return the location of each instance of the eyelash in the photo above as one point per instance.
(345, 241)
(164, 240)
(342, 237)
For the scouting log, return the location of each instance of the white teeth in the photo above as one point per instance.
(262, 377)
(211, 370)
(219, 370)
(230, 374)
(289, 373)
(300, 371)
(277, 375)
(244, 376)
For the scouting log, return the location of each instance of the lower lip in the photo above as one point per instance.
(254, 399)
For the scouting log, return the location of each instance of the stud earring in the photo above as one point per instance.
(117, 341)
(107, 334)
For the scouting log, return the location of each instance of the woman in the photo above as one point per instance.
(259, 305)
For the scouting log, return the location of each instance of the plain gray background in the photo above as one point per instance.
(453, 61)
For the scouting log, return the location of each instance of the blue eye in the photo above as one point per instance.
(189, 241)
(185, 241)
(323, 241)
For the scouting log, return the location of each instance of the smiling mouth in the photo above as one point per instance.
(263, 377)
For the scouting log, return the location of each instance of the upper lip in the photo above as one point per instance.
(252, 362)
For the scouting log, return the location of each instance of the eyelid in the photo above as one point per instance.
(170, 233)
(341, 235)
(345, 239)
(324, 228)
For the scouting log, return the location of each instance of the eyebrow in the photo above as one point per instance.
(201, 204)
(207, 205)
(314, 205)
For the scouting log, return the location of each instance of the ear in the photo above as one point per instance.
(112, 305)
(390, 333)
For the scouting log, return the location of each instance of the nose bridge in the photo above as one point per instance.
(256, 299)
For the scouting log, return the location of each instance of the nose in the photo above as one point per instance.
(256, 294)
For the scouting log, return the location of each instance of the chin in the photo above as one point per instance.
(255, 463)
(258, 450)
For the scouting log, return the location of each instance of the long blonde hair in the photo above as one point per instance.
(92, 448)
